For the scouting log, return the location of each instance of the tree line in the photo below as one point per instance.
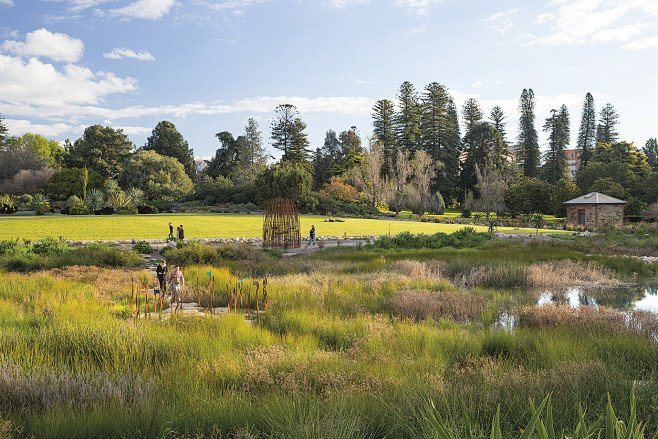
(415, 158)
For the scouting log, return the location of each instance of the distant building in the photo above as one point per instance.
(573, 161)
(595, 209)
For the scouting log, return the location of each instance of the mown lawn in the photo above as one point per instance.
(204, 226)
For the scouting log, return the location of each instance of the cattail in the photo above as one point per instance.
(249, 302)
(257, 307)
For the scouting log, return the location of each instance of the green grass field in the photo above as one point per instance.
(205, 226)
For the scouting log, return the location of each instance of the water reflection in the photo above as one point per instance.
(639, 297)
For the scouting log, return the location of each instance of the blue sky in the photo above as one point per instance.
(209, 65)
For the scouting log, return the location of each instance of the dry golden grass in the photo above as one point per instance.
(589, 317)
(569, 273)
(108, 282)
(421, 304)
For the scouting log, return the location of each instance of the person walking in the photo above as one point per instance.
(311, 235)
(171, 233)
(177, 282)
(181, 233)
(177, 233)
(161, 271)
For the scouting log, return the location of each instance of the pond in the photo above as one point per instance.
(636, 296)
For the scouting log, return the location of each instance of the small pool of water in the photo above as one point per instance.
(627, 297)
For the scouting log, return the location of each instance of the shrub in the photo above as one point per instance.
(143, 247)
(146, 209)
(78, 209)
(108, 210)
(7, 209)
(128, 211)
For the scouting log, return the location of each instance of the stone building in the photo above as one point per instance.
(595, 210)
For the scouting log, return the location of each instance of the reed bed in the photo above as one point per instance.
(588, 318)
(422, 304)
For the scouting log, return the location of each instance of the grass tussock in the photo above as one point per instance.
(423, 304)
(570, 273)
(601, 318)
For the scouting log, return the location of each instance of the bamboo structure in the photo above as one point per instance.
(281, 224)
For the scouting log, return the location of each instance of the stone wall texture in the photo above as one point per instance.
(596, 215)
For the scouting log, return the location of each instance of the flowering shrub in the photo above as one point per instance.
(339, 190)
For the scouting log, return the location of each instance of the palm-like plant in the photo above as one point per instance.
(95, 199)
(120, 200)
(136, 194)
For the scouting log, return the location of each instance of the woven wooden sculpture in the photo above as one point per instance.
(281, 224)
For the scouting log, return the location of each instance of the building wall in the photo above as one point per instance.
(596, 214)
(573, 161)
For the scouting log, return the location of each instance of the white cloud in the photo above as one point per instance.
(502, 21)
(235, 5)
(80, 5)
(147, 9)
(644, 43)
(36, 83)
(544, 18)
(7, 2)
(419, 7)
(123, 52)
(42, 42)
(343, 3)
(579, 22)
(418, 30)
(18, 127)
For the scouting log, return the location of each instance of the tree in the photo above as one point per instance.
(399, 181)
(557, 125)
(4, 131)
(529, 196)
(482, 143)
(587, 131)
(650, 150)
(449, 183)
(368, 177)
(472, 114)
(251, 153)
(70, 181)
(383, 122)
(491, 188)
(407, 119)
(606, 130)
(563, 190)
(288, 134)
(27, 181)
(13, 160)
(351, 149)
(497, 116)
(225, 162)
(528, 139)
(285, 180)
(160, 177)
(49, 152)
(326, 160)
(423, 174)
(102, 149)
(166, 140)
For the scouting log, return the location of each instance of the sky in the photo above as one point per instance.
(209, 65)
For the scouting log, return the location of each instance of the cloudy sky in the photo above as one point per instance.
(208, 65)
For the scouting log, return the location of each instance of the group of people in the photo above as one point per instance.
(176, 282)
(180, 233)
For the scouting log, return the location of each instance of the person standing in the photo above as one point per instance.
(177, 233)
(311, 235)
(171, 233)
(181, 233)
(161, 271)
(177, 282)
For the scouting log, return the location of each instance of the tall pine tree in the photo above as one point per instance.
(472, 114)
(497, 116)
(606, 131)
(288, 134)
(587, 132)
(557, 125)
(528, 138)
(407, 119)
(383, 123)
